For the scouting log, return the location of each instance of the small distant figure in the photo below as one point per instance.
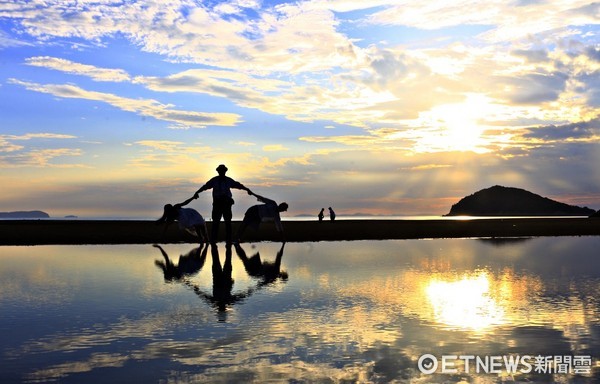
(269, 211)
(331, 214)
(222, 200)
(322, 214)
(188, 218)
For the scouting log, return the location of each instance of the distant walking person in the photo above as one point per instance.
(331, 214)
(269, 211)
(222, 201)
(322, 214)
(188, 219)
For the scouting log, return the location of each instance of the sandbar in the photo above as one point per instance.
(40, 232)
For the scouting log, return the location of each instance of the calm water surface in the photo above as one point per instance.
(362, 311)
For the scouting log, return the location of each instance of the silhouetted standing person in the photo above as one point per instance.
(322, 214)
(331, 214)
(222, 201)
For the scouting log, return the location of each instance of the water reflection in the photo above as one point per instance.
(348, 311)
(222, 297)
(189, 264)
(465, 303)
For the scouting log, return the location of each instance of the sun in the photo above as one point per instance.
(456, 127)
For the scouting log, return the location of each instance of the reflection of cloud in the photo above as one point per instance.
(95, 361)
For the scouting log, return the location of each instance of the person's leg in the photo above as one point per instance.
(201, 232)
(217, 212)
(227, 215)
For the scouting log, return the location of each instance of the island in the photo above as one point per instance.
(510, 201)
(24, 215)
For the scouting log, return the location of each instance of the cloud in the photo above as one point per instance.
(507, 21)
(533, 88)
(7, 41)
(39, 158)
(95, 73)
(14, 155)
(582, 131)
(274, 148)
(150, 108)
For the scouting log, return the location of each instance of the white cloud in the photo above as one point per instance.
(508, 21)
(95, 73)
(150, 108)
(274, 148)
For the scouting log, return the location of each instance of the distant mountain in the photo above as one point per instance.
(595, 215)
(24, 215)
(508, 201)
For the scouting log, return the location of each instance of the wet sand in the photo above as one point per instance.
(37, 232)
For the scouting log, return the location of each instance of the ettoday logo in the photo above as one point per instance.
(552, 364)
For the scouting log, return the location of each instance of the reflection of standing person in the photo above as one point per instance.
(222, 200)
(331, 214)
(189, 219)
(322, 214)
(222, 296)
(256, 214)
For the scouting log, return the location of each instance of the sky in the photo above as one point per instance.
(113, 108)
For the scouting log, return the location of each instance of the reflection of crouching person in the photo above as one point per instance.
(188, 219)
(269, 211)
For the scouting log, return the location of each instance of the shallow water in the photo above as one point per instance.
(361, 311)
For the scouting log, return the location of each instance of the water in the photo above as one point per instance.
(362, 311)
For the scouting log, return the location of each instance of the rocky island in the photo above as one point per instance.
(509, 201)
(24, 215)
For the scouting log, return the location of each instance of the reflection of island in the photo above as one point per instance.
(507, 201)
(222, 296)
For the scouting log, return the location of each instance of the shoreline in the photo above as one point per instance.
(74, 232)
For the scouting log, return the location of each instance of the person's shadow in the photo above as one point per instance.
(266, 272)
(188, 265)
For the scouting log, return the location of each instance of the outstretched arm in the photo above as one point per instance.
(208, 185)
(263, 199)
(183, 203)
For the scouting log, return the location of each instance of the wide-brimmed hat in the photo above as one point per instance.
(222, 168)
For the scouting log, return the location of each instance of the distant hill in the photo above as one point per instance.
(24, 215)
(508, 201)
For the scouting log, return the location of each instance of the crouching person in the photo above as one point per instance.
(188, 219)
(256, 214)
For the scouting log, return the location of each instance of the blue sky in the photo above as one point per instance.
(114, 108)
